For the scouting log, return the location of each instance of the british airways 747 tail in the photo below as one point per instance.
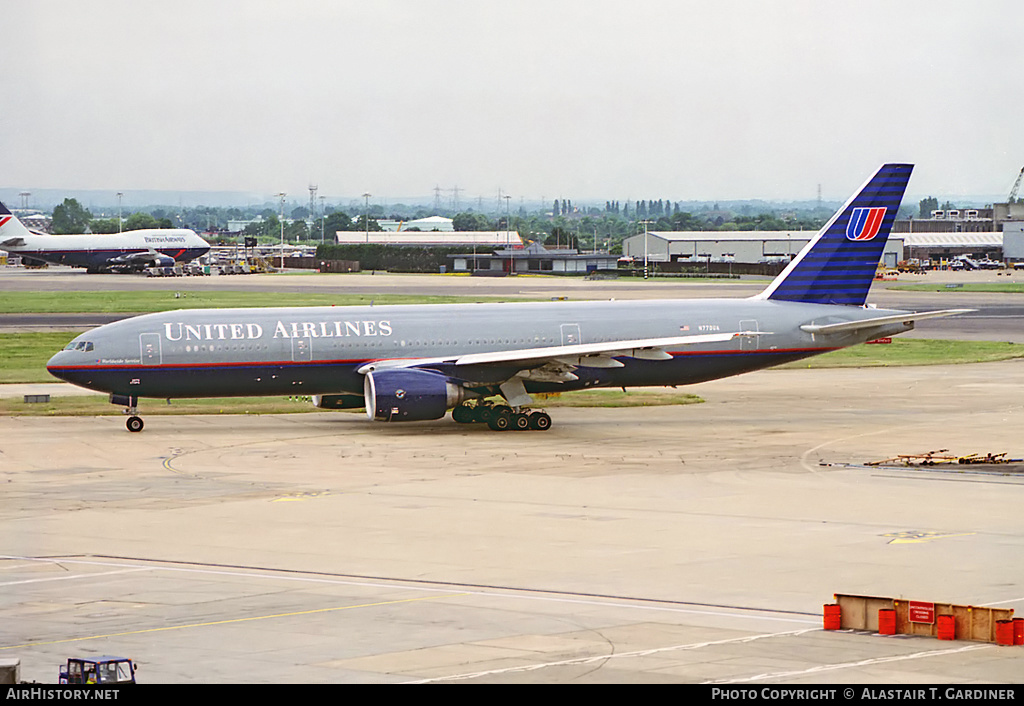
(411, 363)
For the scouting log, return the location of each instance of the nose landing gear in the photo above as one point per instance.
(134, 422)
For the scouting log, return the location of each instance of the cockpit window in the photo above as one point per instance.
(84, 346)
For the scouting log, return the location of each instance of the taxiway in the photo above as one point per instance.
(678, 544)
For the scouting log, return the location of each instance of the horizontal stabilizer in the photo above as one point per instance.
(909, 317)
(13, 242)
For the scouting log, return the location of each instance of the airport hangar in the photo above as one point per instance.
(945, 234)
(764, 247)
(732, 246)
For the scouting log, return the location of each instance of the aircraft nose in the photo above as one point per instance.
(57, 365)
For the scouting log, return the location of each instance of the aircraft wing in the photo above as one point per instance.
(150, 255)
(551, 364)
(578, 354)
(881, 321)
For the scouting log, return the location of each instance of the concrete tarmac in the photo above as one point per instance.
(653, 544)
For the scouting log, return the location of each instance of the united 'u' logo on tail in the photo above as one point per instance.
(837, 266)
(865, 223)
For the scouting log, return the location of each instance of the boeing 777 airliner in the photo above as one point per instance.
(409, 363)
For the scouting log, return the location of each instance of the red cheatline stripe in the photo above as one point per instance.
(288, 363)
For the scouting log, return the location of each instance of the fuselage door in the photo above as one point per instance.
(149, 347)
(749, 343)
(570, 334)
(302, 349)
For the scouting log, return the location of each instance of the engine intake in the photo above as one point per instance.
(410, 395)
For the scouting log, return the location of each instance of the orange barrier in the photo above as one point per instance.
(887, 621)
(1004, 632)
(946, 621)
(1018, 631)
(832, 616)
(946, 628)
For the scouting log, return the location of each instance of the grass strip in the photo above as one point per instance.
(138, 302)
(914, 351)
(960, 287)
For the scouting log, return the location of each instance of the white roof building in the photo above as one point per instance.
(458, 238)
(431, 223)
(983, 239)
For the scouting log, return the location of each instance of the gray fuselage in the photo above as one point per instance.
(318, 350)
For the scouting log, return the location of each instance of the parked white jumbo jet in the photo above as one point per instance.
(410, 363)
(114, 252)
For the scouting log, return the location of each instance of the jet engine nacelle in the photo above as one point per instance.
(163, 261)
(409, 395)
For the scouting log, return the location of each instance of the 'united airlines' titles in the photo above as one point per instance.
(283, 329)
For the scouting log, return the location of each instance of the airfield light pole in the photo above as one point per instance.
(281, 196)
(119, 195)
(508, 236)
(323, 216)
(645, 248)
(366, 216)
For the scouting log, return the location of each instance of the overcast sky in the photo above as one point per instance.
(588, 99)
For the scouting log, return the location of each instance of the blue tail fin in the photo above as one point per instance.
(839, 263)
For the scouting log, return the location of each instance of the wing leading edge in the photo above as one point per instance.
(646, 348)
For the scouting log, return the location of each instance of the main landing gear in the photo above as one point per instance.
(131, 405)
(501, 417)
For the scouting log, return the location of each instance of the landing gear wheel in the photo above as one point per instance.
(521, 422)
(540, 421)
(500, 422)
(462, 414)
(134, 423)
